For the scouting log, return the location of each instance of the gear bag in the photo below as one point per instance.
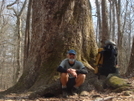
(106, 60)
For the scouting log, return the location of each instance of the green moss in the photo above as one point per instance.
(117, 82)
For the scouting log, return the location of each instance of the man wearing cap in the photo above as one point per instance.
(72, 73)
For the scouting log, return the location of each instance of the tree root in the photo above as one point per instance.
(47, 91)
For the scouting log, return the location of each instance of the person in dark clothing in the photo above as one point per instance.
(73, 73)
(110, 53)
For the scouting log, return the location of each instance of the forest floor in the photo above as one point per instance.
(93, 95)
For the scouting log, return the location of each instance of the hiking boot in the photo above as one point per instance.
(64, 92)
(74, 91)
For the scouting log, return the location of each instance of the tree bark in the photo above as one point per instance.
(99, 21)
(57, 26)
(113, 33)
(105, 28)
(120, 35)
(27, 32)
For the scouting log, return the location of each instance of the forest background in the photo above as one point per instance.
(112, 19)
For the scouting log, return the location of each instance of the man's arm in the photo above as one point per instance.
(61, 69)
(82, 70)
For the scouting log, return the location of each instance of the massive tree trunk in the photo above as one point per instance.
(57, 26)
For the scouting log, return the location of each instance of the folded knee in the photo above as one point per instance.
(64, 74)
(82, 76)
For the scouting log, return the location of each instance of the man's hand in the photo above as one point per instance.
(72, 71)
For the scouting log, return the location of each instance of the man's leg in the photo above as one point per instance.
(78, 82)
(64, 80)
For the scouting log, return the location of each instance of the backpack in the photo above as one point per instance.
(106, 60)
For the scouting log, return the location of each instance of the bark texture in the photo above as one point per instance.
(57, 26)
(105, 27)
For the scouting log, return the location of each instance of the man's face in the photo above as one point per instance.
(71, 56)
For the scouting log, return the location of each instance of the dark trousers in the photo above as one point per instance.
(71, 82)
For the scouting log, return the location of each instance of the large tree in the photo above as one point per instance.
(57, 26)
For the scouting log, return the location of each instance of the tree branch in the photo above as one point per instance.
(25, 2)
(8, 6)
(11, 8)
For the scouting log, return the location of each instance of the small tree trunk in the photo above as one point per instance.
(99, 21)
(113, 21)
(27, 32)
(120, 36)
(105, 29)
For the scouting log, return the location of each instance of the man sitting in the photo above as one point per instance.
(72, 73)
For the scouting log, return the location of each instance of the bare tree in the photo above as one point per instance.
(99, 23)
(2, 7)
(105, 27)
(112, 20)
(19, 33)
(120, 34)
(28, 31)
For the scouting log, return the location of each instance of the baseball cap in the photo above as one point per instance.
(71, 52)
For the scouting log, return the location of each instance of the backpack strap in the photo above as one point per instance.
(99, 61)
